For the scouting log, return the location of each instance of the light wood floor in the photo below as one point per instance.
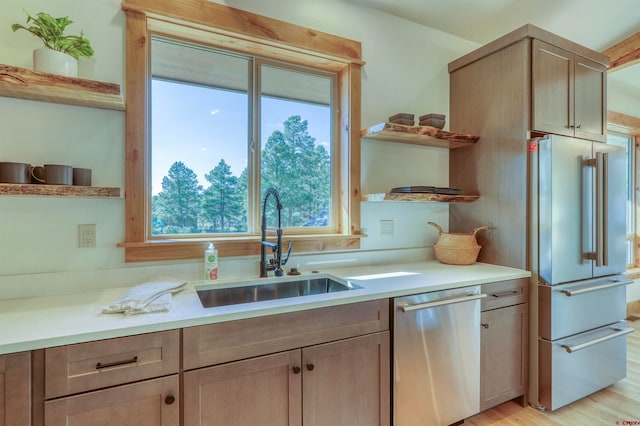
(616, 405)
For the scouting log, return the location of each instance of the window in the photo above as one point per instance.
(217, 112)
(627, 142)
(203, 153)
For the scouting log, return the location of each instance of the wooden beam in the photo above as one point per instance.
(625, 53)
(256, 27)
(623, 123)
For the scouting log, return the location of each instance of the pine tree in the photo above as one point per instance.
(222, 204)
(178, 205)
(300, 171)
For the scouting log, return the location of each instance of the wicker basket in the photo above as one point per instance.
(457, 248)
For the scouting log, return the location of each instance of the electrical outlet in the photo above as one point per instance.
(386, 228)
(87, 236)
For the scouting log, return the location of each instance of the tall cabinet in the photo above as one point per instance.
(504, 92)
(527, 82)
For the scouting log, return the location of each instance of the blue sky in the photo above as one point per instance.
(200, 126)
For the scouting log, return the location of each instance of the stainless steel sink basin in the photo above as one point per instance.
(211, 296)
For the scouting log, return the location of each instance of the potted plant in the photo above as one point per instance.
(61, 52)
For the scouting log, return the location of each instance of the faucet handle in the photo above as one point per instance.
(284, 261)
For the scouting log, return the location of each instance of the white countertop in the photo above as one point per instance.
(40, 322)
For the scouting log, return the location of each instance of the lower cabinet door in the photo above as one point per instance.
(503, 357)
(15, 389)
(153, 402)
(347, 382)
(261, 391)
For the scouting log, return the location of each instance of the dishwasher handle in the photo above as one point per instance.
(450, 301)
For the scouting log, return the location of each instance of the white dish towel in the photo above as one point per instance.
(152, 296)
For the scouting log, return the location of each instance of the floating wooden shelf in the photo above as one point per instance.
(22, 83)
(418, 135)
(442, 198)
(15, 189)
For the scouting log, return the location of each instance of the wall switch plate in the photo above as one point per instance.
(386, 228)
(87, 236)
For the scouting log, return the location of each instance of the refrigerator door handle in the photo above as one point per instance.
(601, 206)
(577, 292)
(618, 333)
(601, 249)
(604, 206)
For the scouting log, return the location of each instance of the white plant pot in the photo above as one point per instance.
(54, 62)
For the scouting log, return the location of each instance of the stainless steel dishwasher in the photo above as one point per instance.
(437, 357)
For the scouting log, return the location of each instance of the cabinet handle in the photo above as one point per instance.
(100, 365)
(296, 370)
(310, 366)
(485, 324)
(170, 399)
(505, 293)
(578, 126)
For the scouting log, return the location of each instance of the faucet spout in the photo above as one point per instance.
(276, 263)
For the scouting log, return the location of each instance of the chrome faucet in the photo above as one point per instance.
(277, 262)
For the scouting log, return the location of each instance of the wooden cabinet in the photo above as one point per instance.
(239, 393)
(126, 381)
(152, 402)
(492, 94)
(568, 93)
(213, 344)
(15, 389)
(323, 366)
(347, 382)
(343, 382)
(503, 356)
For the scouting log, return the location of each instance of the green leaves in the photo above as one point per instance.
(51, 31)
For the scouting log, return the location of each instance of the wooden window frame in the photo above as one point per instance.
(237, 30)
(629, 125)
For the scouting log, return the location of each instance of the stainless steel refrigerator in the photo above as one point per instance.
(578, 237)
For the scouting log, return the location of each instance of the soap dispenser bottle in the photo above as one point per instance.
(211, 263)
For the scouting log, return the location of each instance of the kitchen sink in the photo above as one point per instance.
(212, 296)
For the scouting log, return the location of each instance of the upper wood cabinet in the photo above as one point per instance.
(498, 93)
(15, 389)
(569, 93)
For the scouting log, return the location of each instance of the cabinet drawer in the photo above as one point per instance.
(504, 293)
(152, 402)
(86, 366)
(217, 343)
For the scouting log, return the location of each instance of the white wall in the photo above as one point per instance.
(405, 71)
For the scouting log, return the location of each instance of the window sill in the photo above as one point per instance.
(182, 249)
